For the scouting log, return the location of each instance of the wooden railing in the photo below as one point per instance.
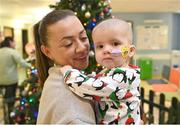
(172, 111)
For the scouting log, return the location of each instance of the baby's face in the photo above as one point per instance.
(108, 40)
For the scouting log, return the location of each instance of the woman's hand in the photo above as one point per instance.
(65, 68)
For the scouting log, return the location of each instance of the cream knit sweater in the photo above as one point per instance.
(58, 105)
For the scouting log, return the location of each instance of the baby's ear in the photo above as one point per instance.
(132, 51)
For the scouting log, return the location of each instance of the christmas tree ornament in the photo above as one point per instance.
(98, 65)
(24, 93)
(30, 93)
(106, 3)
(109, 1)
(106, 10)
(75, 13)
(94, 20)
(27, 105)
(12, 114)
(21, 108)
(89, 6)
(87, 14)
(26, 88)
(91, 53)
(100, 4)
(83, 7)
(22, 103)
(101, 15)
(85, 24)
(91, 25)
(31, 100)
(110, 10)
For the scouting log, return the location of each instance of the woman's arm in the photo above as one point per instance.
(19, 60)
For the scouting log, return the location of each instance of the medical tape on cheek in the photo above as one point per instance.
(123, 51)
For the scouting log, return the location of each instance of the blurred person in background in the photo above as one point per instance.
(10, 59)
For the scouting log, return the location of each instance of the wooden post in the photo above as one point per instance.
(143, 114)
(151, 105)
(161, 108)
(142, 97)
(172, 117)
(178, 114)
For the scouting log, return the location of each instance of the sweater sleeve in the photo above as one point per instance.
(103, 88)
(19, 60)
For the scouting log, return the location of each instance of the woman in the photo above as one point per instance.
(10, 58)
(61, 40)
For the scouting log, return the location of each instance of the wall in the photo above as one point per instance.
(176, 31)
(162, 56)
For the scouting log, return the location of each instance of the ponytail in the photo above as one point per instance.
(43, 62)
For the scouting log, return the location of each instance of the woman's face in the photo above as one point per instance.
(68, 43)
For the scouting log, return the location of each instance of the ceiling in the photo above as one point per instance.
(32, 10)
(29, 10)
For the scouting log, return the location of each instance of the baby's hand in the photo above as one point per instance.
(65, 68)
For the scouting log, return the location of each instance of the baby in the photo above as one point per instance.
(116, 90)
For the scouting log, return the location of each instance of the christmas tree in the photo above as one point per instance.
(90, 12)
(27, 103)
